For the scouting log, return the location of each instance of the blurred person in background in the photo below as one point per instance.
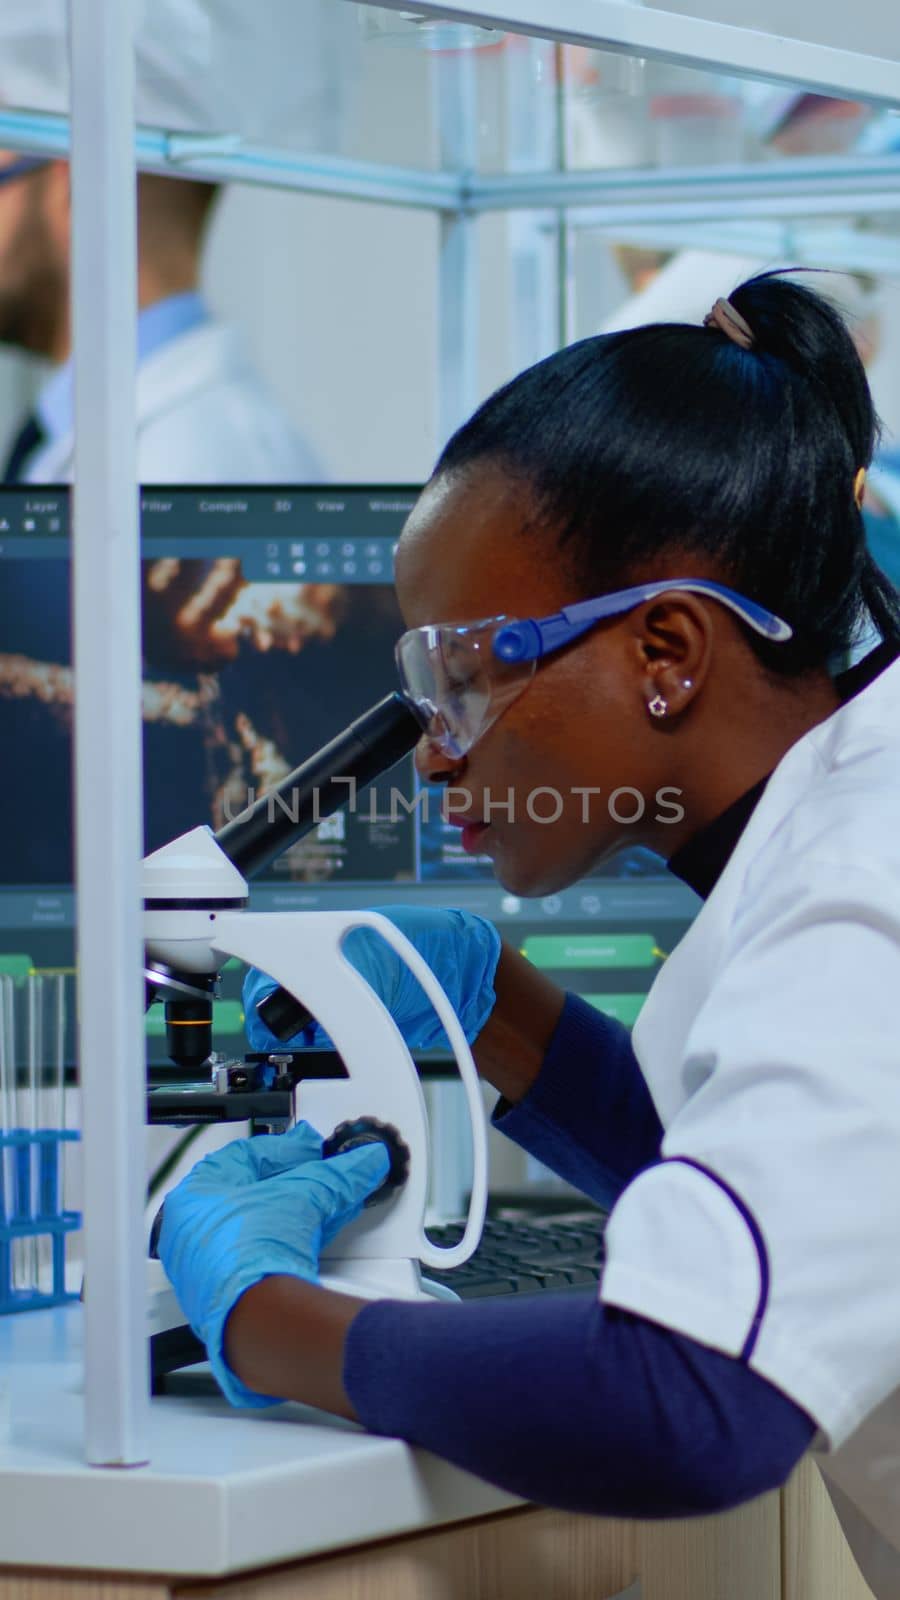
(814, 124)
(203, 414)
(286, 78)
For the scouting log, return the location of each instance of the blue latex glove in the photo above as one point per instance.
(462, 951)
(261, 1206)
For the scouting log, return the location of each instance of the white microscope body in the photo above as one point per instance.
(193, 924)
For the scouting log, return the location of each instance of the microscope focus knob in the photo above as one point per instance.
(368, 1130)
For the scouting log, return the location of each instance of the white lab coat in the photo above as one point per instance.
(771, 1044)
(203, 416)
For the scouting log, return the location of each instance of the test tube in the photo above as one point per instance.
(7, 1123)
(17, 1151)
(30, 1122)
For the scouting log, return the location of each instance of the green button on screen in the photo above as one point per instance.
(579, 950)
(16, 967)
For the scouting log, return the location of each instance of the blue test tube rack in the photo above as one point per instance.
(30, 1208)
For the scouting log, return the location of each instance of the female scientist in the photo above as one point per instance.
(673, 516)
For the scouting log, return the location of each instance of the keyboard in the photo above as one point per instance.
(523, 1252)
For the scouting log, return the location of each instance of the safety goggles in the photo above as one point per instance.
(460, 677)
(20, 168)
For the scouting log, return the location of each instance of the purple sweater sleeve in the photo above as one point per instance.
(559, 1398)
(588, 1115)
(571, 1403)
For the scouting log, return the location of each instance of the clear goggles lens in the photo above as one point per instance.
(460, 677)
(455, 683)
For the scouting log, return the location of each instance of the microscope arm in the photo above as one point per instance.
(321, 785)
(328, 780)
(191, 881)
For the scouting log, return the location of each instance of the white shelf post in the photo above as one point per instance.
(106, 614)
(456, 106)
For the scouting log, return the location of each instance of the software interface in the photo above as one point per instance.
(269, 621)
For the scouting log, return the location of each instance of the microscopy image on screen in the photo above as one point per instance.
(241, 681)
(35, 724)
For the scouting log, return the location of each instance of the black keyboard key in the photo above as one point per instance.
(547, 1262)
(523, 1252)
(582, 1276)
(559, 1280)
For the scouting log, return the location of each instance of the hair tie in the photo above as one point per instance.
(730, 322)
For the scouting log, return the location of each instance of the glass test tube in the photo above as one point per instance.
(29, 1122)
(7, 1123)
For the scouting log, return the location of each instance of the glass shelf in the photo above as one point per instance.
(385, 104)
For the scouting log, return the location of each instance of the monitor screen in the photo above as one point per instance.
(269, 621)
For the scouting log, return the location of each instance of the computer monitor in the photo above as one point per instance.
(269, 621)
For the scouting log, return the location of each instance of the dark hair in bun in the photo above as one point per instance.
(673, 439)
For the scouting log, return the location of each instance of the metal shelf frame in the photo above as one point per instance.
(105, 151)
(108, 767)
(809, 186)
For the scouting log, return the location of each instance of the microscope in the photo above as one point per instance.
(195, 919)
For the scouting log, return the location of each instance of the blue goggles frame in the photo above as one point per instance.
(446, 670)
(539, 636)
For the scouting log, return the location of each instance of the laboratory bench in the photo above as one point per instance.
(288, 1504)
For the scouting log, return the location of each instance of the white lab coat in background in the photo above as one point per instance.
(203, 416)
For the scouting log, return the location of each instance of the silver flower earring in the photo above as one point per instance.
(657, 707)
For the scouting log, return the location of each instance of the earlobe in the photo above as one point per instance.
(673, 638)
(677, 700)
